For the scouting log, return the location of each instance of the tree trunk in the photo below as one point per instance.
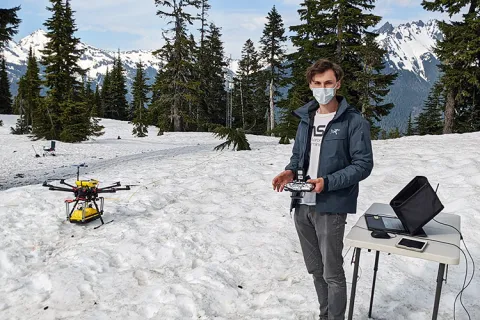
(339, 34)
(272, 106)
(241, 100)
(449, 112)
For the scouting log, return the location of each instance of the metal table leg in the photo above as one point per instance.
(438, 293)
(377, 254)
(354, 283)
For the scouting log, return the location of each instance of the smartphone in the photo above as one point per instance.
(410, 244)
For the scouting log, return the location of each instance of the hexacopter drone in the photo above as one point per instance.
(85, 207)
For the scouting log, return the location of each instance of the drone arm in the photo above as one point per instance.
(63, 182)
(55, 188)
(106, 190)
(117, 184)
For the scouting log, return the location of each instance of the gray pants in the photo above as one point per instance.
(321, 239)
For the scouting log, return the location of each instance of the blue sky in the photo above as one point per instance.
(133, 24)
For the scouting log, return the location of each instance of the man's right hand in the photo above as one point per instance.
(282, 179)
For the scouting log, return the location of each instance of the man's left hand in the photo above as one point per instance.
(318, 184)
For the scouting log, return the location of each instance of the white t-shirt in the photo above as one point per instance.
(320, 123)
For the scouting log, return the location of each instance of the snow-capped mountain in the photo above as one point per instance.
(410, 54)
(97, 61)
(409, 47)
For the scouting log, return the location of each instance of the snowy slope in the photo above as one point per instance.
(410, 45)
(204, 236)
(94, 59)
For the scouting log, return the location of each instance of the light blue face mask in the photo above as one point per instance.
(323, 95)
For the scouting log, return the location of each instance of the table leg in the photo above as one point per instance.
(354, 283)
(377, 254)
(441, 272)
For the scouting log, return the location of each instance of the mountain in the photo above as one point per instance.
(409, 53)
(95, 60)
(409, 47)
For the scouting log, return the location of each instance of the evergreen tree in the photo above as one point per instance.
(5, 95)
(213, 76)
(288, 124)
(106, 96)
(21, 127)
(97, 102)
(334, 30)
(9, 22)
(234, 136)
(28, 98)
(251, 91)
(118, 87)
(203, 67)
(458, 53)
(176, 52)
(383, 134)
(273, 52)
(63, 115)
(394, 133)
(430, 120)
(372, 86)
(410, 130)
(140, 91)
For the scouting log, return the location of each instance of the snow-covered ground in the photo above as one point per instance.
(204, 236)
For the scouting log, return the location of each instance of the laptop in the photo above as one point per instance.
(381, 216)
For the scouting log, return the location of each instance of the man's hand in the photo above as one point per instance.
(319, 184)
(282, 179)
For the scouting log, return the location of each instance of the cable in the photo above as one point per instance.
(466, 271)
(464, 287)
(393, 235)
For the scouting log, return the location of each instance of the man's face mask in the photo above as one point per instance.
(324, 95)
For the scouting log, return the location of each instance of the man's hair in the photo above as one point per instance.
(321, 66)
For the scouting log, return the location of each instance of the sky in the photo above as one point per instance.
(133, 24)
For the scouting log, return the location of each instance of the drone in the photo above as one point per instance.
(85, 207)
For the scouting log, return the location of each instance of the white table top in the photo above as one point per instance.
(435, 251)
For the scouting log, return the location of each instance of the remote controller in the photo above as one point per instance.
(299, 186)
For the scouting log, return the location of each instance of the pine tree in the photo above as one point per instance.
(394, 133)
(106, 96)
(9, 22)
(273, 52)
(140, 91)
(287, 127)
(118, 87)
(334, 30)
(63, 115)
(383, 134)
(213, 76)
(430, 121)
(203, 67)
(372, 86)
(176, 53)
(5, 95)
(234, 136)
(97, 102)
(250, 90)
(458, 53)
(28, 98)
(410, 130)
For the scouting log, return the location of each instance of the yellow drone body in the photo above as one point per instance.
(84, 215)
(87, 183)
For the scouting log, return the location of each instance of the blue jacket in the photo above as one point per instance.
(346, 155)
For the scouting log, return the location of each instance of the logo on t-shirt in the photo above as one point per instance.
(319, 130)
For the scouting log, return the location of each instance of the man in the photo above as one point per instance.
(333, 147)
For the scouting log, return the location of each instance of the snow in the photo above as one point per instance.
(203, 235)
(94, 59)
(408, 43)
